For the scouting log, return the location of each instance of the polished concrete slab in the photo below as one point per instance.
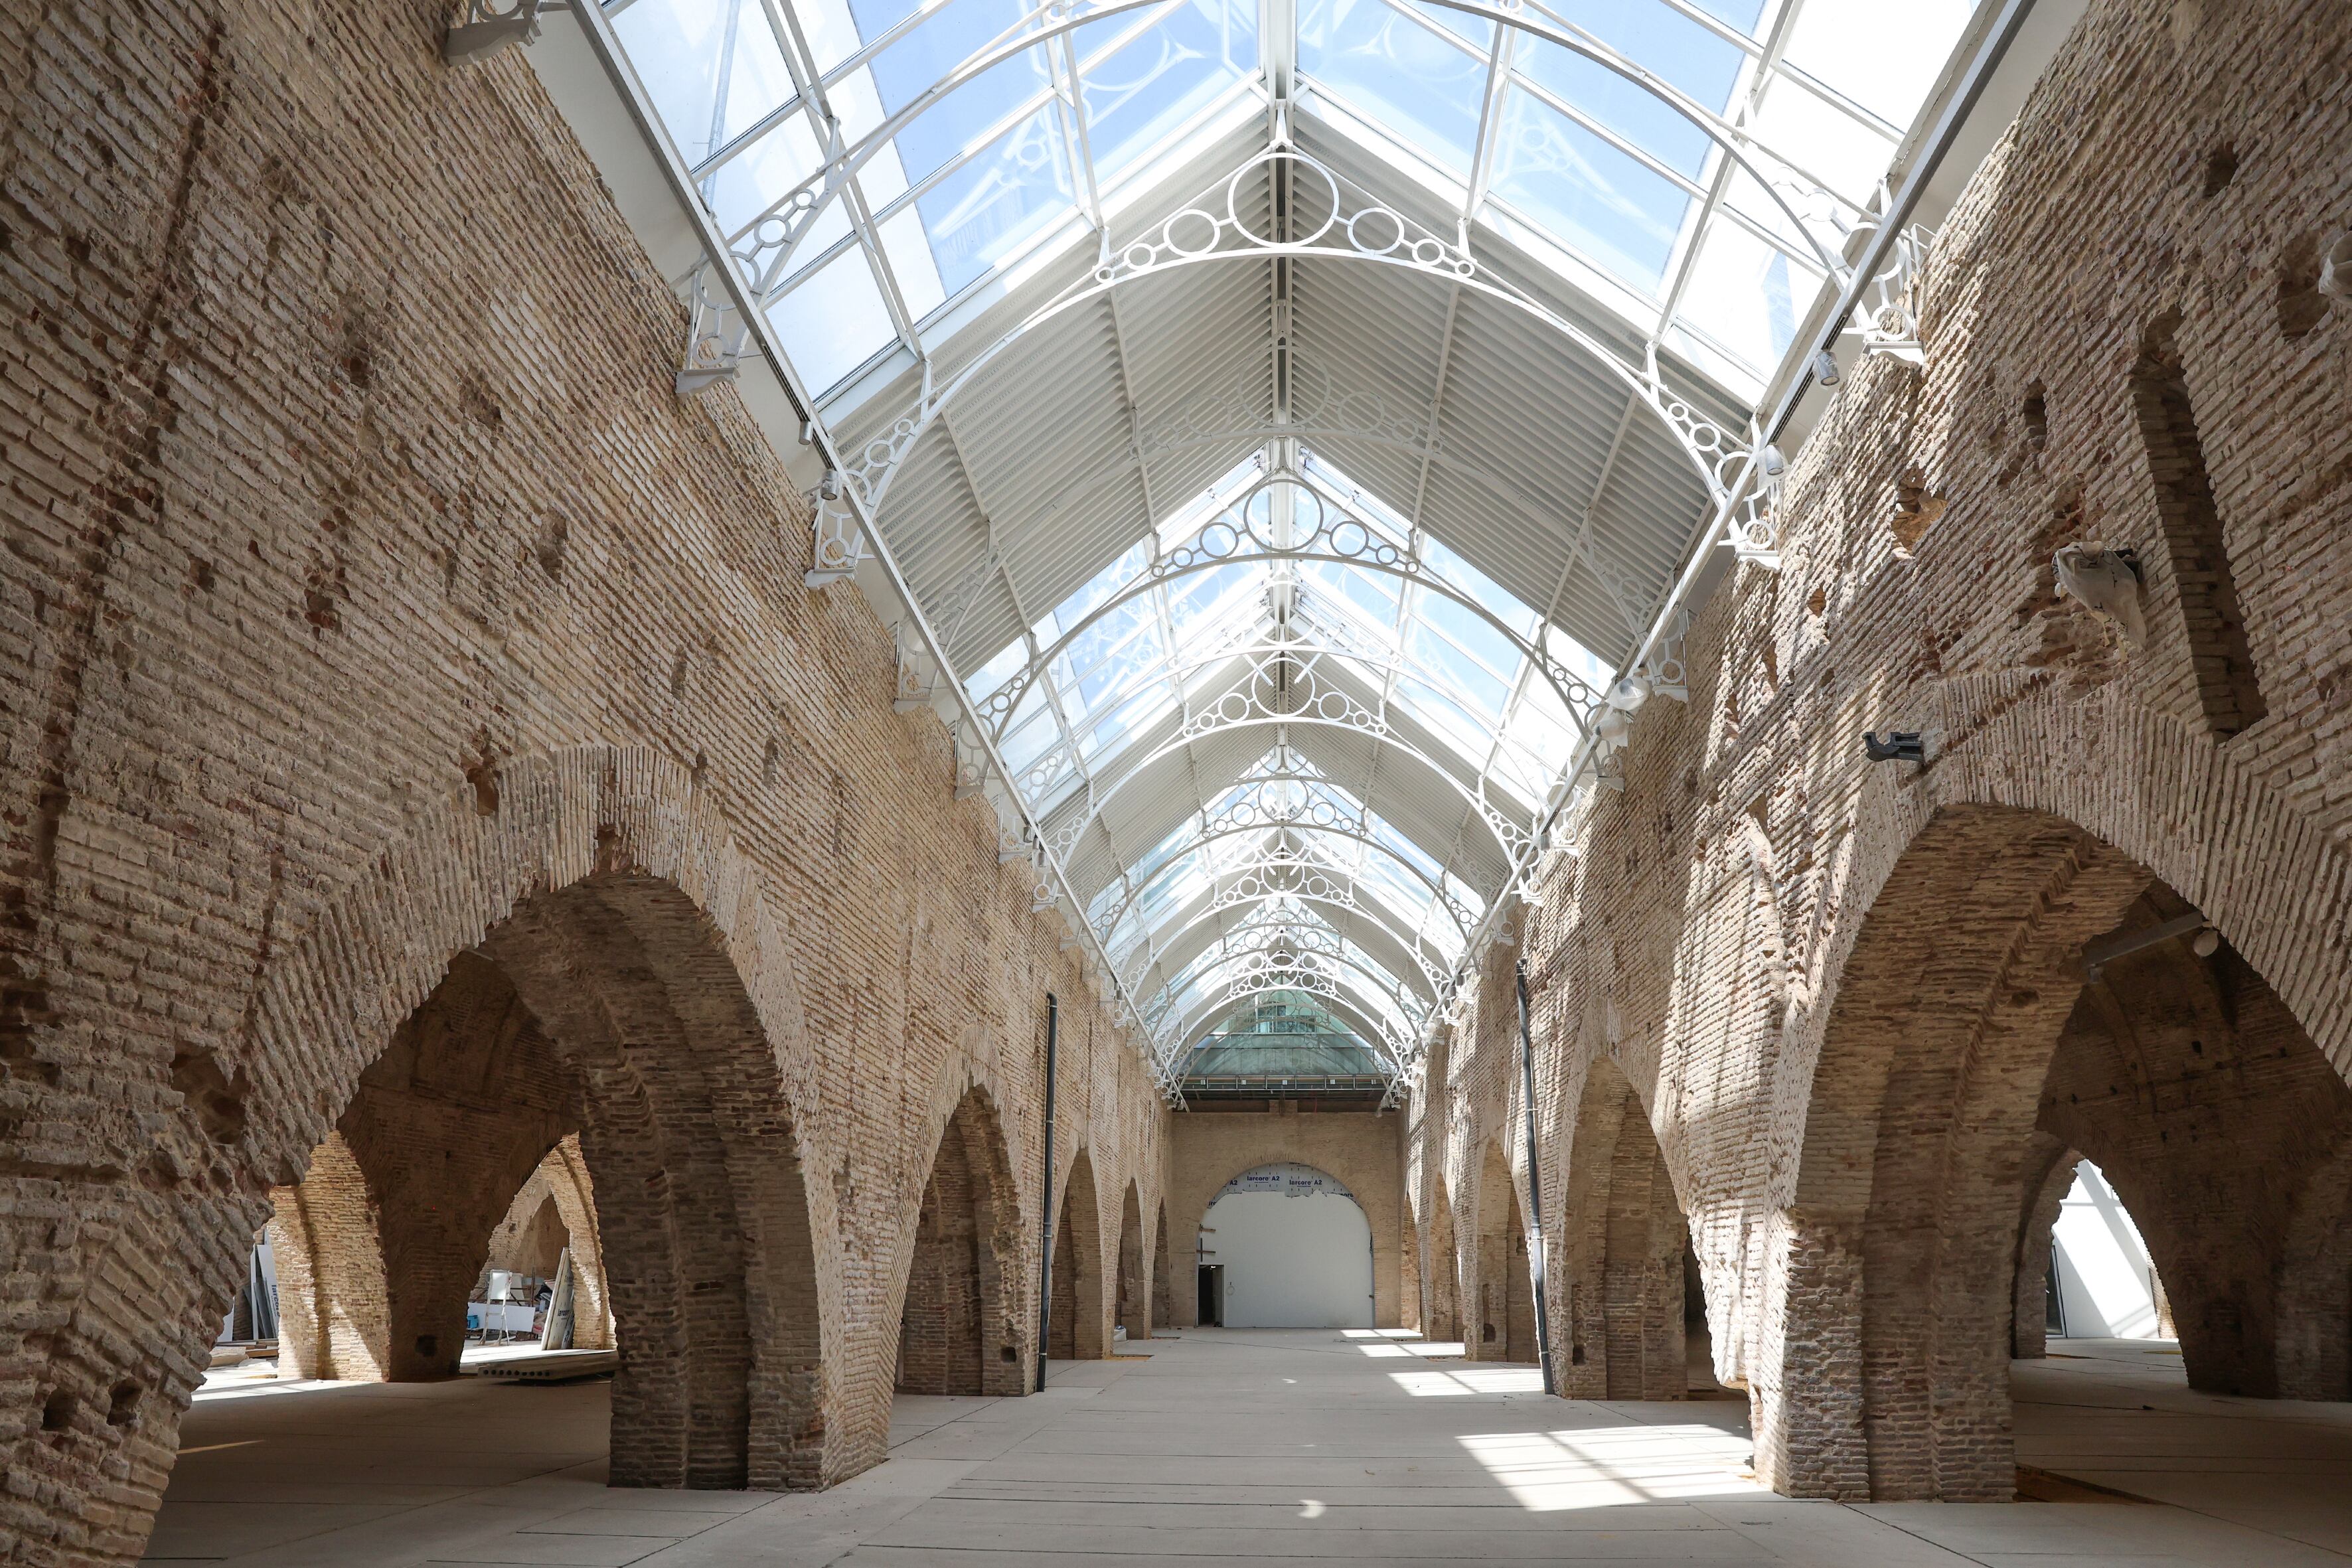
(1230, 1446)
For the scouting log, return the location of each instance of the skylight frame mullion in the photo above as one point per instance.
(1776, 43)
(792, 43)
(1048, 235)
(1505, 677)
(1482, 152)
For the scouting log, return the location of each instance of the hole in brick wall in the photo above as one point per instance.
(2220, 168)
(2301, 306)
(482, 772)
(478, 403)
(1916, 508)
(1006, 1353)
(2193, 534)
(769, 762)
(58, 1412)
(123, 1408)
(678, 674)
(217, 1100)
(2036, 414)
(550, 545)
(428, 1345)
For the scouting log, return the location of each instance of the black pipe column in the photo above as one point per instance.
(1045, 1266)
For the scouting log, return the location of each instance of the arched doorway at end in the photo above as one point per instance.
(1295, 1250)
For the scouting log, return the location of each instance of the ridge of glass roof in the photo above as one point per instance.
(1632, 204)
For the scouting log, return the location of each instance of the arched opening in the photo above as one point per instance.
(1444, 1267)
(1164, 1274)
(2210, 1124)
(2022, 996)
(2083, 1269)
(1134, 1285)
(599, 1026)
(959, 1330)
(548, 1252)
(1078, 1333)
(380, 1249)
(1627, 1258)
(1297, 1250)
(1506, 1319)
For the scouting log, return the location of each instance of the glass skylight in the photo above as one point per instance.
(1433, 656)
(1675, 172)
(1576, 160)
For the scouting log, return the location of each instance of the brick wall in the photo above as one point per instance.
(370, 598)
(1848, 997)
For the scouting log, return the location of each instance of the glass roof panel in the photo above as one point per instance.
(1418, 81)
(1008, 190)
(1623, 208)
(836, 320)
(1883, 58)
(711, 66)
(1279, 1034)
(1598, 200)
(1682, 51)
(1140, 92)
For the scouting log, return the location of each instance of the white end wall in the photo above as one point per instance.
(1296, 1251)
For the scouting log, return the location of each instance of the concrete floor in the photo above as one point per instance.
(1229, 1446)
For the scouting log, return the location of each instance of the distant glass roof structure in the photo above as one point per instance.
(1279, 1034)
(1284, 419)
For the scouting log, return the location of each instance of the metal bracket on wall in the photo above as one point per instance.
(1899, 746)
(485, 30)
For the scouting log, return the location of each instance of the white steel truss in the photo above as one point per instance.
(1420, 726)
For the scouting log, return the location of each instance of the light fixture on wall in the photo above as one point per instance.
(1898, 746)
(2336, 269)
(2107, 578)
(487, 30)
(1825, 368)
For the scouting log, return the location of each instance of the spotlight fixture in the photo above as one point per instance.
(1898, 746)
(1825, 370)
(2206, 942)
(1628, 695)
(831, 488)
(1773, 462)
(2335, 270)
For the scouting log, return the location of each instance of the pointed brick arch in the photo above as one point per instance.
(1502, 1324)
(1902, 1239)
(1080, 1329)
(1163, 1273)
(961, 1328)
(1133, 1302)
(1409, 1311)
(636, 936)
(2044, 818)
(1444, 1281)
(1625, 1240)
